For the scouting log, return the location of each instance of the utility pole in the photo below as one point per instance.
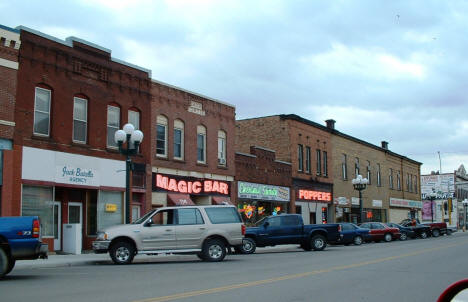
(440, 163)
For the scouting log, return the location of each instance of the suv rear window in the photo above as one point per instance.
(223, 215)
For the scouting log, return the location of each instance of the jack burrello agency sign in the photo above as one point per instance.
(249, 190)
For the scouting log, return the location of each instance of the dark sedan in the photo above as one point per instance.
(380, 231)
(353, 234)
(406, 232)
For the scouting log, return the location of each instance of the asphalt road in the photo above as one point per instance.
(413, 270)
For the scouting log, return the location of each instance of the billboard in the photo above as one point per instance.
(443, 185)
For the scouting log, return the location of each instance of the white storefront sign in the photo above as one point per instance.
(377, 203)
(355, 201)
(405, 203)
(67, 168)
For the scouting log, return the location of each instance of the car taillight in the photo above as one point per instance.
(243, 229)
(36, 228)
(339, 228)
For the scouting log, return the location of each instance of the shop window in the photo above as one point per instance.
(42, 102)
(178, 139)
(300, 158)
(189, 216)
(201, 144)
(109, 200)
(80, 119)
(221, 148)
(134, 118)
(307, 160)
(325, 163)
(319, 162)
(344, 167)
(161, 136)
(38, 201)
(113, 124)
(91, 214)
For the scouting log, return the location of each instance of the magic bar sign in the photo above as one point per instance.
(189, 185)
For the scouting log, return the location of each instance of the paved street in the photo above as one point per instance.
(414, 270)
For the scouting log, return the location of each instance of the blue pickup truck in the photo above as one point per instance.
(289, 229)
(20, 239)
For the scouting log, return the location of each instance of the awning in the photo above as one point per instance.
(179, 200)
(221, 200)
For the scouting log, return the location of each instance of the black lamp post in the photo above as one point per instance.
(432, 196)
(465, 204)
(133, 138)
(360, 184)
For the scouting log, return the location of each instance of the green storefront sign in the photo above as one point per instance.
(249, 190)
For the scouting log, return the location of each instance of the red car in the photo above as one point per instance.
(380, 231)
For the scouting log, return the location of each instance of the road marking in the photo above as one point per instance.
(289, 277)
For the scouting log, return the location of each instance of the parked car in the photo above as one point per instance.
(206, 231)
(406, 232)
(289, 229)
(437, 228)
(20, 239)
(380, 231)
(421, 230)
(351, 233)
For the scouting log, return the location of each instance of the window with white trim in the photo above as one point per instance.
(178, 139)
(80, 119)
(201, 144)
(42, 111)
(134, 118)
(221, 148)
(161, 136)
(300, 156)
(113, 124)
(307, 160)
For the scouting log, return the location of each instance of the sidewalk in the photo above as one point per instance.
(89, 258)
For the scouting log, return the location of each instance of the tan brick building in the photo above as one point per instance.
(304, 144)
(393, 192)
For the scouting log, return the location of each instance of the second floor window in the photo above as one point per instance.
(113, 124)
(178, 139)
(356, 167)
(42, 112)
(161, 136)
(221, 148)
(80, 119)
(390, 178)
(319, 162)
(300, 156)
(369, 172)
(325, 163)
(344, 167)
(134, 119)
(201, 144)
(398, 181)
(307, 160)
(415, 184)
(379, 180)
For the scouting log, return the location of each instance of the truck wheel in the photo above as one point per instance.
(449, 232)
(388, 237)
(423, 235)
(122, 252)
(403, 236)
(435, 233)
(4, 263)
(214, 250)
(248, 246)
(318, 242)
(357, 240)
(11, 265)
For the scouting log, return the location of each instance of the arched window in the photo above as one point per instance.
(134, 118)
(42, 104)
(178, 139)
(113, 124)
(201, 144)
(161, 136)
(221, 148)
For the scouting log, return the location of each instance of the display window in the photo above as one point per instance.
(253, 211)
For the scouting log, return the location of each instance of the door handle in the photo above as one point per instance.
(202, 228)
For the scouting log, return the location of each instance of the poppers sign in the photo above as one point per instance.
(314, 195)
(189, 185)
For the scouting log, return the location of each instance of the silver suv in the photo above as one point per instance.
(206, 231)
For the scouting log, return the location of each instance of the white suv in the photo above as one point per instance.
(203, 230)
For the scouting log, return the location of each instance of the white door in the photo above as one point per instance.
(57, 226)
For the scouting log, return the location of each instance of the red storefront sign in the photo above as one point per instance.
(163, 182)
(314, 195)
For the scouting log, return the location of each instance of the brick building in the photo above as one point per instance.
(263, 184)
(192, 148)
(393, 190)
(71, 97)
(9, 45)
(307, 146)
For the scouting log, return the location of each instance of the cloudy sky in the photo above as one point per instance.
(384, 70)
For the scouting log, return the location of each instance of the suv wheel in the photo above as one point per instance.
(388, 237)
(248, 246)
(435, 233)
(214, 250)
(318, 242)
(122, 252)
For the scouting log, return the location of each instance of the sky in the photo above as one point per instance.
(384, 70)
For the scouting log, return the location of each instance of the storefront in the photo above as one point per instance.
(404, 209)
(313, 201)
(176, 190)
(72, 191)
(256, 201)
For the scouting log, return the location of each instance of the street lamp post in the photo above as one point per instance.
(432, 196)
(360, 184)
(465, 205)
(133, 138)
